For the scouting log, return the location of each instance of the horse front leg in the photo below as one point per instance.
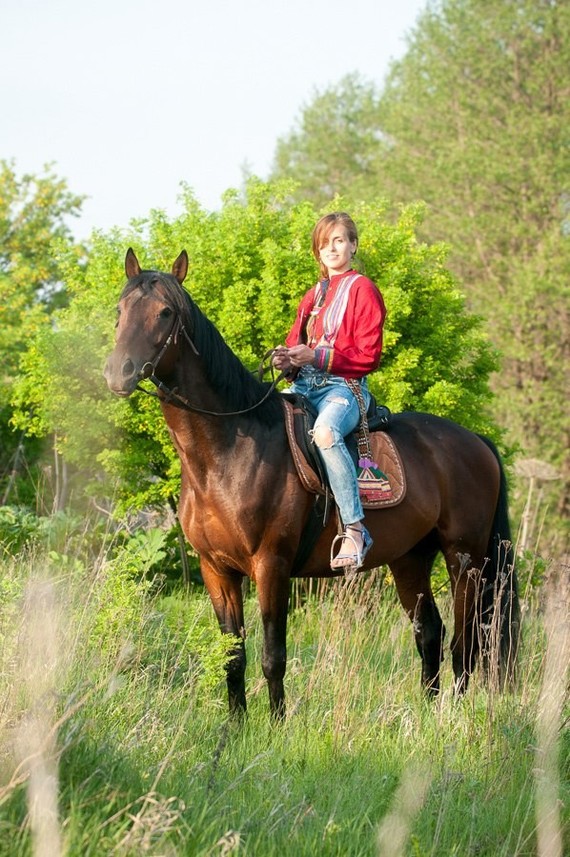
(224, 589)
(273, 594)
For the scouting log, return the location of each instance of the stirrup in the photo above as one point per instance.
(351, 561)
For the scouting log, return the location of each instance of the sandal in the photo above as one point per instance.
(352, 561)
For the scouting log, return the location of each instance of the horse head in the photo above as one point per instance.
(146, 339)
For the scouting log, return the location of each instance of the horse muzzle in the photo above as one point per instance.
(123, 374)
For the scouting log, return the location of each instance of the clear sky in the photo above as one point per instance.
(128, 98)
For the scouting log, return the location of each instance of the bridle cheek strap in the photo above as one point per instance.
(149, 368)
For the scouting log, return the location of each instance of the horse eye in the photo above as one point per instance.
(166, 312)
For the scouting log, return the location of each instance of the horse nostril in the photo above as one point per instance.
(128, 368)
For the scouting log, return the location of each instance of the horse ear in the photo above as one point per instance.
(180, 267)
(132, 267)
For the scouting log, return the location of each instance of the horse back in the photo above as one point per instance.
(447, 460)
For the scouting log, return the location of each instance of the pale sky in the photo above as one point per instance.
(128, 98)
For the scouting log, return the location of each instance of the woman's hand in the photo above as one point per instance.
(281, 359)
(286, 359)
(301, 355)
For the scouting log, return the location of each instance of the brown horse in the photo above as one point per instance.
(243, 507)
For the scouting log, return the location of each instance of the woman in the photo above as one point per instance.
(337, 337)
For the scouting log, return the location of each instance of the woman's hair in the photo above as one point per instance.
(323, 229)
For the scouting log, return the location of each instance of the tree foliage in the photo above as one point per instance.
(478, 116)
(34, 212)
(250, 264)
(474, 120)
(336, 145)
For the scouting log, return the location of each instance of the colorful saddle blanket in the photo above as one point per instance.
(390, 491)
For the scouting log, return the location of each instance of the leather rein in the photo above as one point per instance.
(173, 397)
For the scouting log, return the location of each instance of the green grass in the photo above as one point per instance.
(119, 696)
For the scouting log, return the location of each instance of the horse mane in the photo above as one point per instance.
(236, 385)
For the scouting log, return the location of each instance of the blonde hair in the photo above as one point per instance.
(324, 228)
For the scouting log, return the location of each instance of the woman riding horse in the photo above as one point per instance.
(243, 507)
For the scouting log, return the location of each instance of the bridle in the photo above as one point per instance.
(173, 397)
(176, 328)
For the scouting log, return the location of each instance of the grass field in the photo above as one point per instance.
(114, 736)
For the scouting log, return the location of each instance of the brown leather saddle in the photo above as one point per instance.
(299, 420)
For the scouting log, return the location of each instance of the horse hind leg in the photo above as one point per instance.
(465, 645)
(412, 574)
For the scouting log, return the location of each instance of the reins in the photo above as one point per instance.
(173, 397)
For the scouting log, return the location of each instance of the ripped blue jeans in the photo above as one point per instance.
(338, 413)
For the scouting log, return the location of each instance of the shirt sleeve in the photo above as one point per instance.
(358, 345)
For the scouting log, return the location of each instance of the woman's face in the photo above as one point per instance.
(337, 250)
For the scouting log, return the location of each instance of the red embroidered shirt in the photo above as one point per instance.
(351, 348)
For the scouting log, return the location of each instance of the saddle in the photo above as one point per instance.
(299, 419)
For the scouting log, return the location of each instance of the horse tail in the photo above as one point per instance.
(500, 608)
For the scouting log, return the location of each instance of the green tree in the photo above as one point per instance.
(250, 264)
(336, 144)
(34, 212)
(474, 120)
(478, 115)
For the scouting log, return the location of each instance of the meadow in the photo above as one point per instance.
(114, 736)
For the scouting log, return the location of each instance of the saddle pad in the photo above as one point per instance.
(388, 459)
(384, 453)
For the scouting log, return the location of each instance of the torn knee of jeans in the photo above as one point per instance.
(323, 437)
(337, 400)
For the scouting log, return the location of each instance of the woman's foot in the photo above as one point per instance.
(356, 541)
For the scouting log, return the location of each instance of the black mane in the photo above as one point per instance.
(236, 385)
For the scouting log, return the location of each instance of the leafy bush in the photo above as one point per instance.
(18, 526)
(60, 532)
(250, 264)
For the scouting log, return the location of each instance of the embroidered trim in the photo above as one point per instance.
(334, 313)
(324, 358)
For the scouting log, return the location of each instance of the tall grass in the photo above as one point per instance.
(115, 739)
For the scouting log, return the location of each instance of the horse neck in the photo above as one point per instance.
(209, 437)
(190, 428)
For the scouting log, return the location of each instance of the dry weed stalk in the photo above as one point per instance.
(155, 819)
(550, 705)
(394, 830)
(36, 737)
(157, 815)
